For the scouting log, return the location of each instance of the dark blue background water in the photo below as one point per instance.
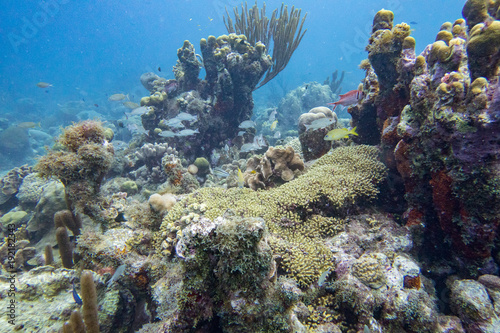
(89, 50)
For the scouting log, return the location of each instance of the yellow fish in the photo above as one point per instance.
(340, 133)
(241, 180)
(43, 85)
(273, 125)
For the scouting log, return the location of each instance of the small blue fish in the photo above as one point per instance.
(76, 297)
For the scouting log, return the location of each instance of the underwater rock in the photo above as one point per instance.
(301, 100)
(312, 132)
(82, 166)
(15, 218)
(33, 289)
(147, 80)
(51, 201)
(9, 184)
(278, 165)
(220, 102)
(470, 301)
(31, 189)
(229, 258)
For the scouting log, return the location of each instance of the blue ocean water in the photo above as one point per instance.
(89, 50)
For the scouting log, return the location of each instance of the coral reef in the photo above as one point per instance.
(221, 101)
(149, 166)
(327, 245)
(9, 184)
(436, 116)
(335, 183)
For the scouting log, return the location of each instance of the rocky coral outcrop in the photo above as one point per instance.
(278, 165)
(436, 116)
(313, 126)
(220, 102)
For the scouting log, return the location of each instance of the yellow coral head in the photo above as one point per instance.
(383, 20)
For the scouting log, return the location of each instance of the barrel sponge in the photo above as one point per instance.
(89, 298)
(383, 20)
(475, 11)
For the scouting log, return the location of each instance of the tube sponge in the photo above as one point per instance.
(89, 298)
(66, 218)
(76, 322)
(49, 256)
(65, 249)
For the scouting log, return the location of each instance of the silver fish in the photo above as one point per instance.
(117, 97)
(130, 105)
(119, 272)
(187, 132)
(247, 147)
(319, 123)
(219, 172)
(323, 276)
(272, 115)
(186, 116)
(247, 124)
(277, 135)
(174, 123)
(139, 111)
(167, 134)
